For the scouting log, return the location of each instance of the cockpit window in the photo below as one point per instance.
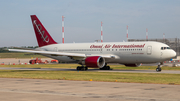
(163, 48)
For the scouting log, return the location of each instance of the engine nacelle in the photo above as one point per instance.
(95, 61)
(133, 65)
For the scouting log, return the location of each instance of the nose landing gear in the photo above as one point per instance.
(158, 69)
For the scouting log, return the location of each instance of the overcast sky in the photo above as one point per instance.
(83, 20)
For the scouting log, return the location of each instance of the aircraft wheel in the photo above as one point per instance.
(78, 68)
(158, 69)
(105, 68)
(83, 68)
(86, 68)
(108, 68)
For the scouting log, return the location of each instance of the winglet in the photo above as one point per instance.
(42, 35)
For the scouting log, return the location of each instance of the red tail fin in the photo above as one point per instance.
(43, 37)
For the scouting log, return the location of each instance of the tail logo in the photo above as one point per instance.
(39, 29)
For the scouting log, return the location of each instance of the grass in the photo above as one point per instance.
(19, 55)
(122, 67)
(118, 67)
(154, 78)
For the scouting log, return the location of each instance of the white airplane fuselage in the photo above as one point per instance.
(121, 52)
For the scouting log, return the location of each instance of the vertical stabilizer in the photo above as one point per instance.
(42, 35)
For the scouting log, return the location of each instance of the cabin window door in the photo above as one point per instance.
(149, 50)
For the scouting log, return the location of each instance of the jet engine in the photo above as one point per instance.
(95, 61)
(133, 65)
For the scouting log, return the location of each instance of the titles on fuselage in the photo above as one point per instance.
(117, 46)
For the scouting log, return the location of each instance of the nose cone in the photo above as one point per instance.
(173, 54)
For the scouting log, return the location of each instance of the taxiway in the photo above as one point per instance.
(12, 89)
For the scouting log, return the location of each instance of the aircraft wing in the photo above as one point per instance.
(74, 55)
(49, 53)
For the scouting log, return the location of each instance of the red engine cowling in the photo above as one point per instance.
(95, 61)
(133, 65)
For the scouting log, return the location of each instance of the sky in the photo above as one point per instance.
(83, 20)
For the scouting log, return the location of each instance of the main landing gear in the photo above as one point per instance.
(105, 67)
(82, 68)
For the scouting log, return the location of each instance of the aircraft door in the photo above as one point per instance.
(149, 50)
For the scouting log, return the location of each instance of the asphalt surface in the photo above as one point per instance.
(12, 89)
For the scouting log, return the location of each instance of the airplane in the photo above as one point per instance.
(98, 55)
